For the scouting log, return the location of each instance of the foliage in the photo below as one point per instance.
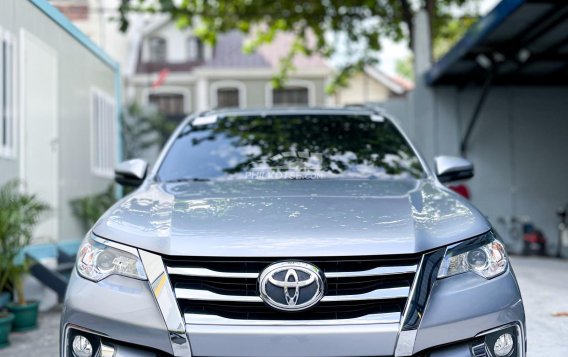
(143, 129)
(447, 37)
(404, 68)
(19, 214)
(89, 209)
(316, 24)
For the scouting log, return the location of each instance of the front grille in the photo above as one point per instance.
(218, 290)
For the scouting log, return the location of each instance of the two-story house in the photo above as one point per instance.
(176, 72)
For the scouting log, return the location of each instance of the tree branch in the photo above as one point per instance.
(431, 10)
(408, 17)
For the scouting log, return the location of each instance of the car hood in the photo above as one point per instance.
(291, 218)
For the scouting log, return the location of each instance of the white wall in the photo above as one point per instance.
(78, 71)
(361, 88)
(398, 108)
(519, 147)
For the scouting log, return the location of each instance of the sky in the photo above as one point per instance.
(392, 51)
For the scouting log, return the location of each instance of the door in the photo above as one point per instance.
(39, 132)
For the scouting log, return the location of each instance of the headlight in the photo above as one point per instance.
(98, 259)
(484, 255)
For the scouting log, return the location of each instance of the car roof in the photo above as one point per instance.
(350, 110)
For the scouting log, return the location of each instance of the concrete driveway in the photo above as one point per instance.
(41, 342)
(544, 285)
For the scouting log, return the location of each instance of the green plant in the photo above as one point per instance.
(89, 209)
(19, 214)
(143, 128)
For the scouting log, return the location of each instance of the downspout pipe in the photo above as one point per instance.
(475, 116)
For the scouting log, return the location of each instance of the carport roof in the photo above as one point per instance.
(522, 42)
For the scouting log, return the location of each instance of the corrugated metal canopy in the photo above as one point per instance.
(522, 42)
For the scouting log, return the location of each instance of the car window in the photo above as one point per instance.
(290, 147)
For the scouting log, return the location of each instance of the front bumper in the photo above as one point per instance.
(125, 314)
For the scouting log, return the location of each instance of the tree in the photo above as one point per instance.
(404, 68)
(316, 24)
(447, 36)
(143, 129)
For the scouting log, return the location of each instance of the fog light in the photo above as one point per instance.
(503, 345)
(82, 347)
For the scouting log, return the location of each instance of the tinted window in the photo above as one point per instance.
(290, 147)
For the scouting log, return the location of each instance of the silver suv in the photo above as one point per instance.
(292, 232)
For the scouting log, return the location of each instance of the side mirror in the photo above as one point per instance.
(131, 172)
(451, 168)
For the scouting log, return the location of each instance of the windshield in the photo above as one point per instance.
(289, 147)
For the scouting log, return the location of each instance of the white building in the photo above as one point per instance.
(59, 132)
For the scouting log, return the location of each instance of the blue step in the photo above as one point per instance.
(55, 279)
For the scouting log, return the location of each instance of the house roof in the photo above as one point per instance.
(521, 42)
(277, 49)
(228, 53)
(394, 84)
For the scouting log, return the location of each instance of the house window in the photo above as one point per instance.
(7, 117)
(169, 104)
(195, 49)
(158, 49)
(200, 49)
(104, 133)
(290, 96)
(228, 98)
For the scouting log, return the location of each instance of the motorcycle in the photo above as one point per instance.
(534, 242)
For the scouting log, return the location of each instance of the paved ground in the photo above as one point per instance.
(42, 342)
(544, 285)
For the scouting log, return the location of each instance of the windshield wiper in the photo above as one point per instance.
(188, 179)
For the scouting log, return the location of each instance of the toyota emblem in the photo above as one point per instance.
(292, 286)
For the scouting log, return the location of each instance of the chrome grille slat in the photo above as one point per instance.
(203, 272)
(379, 294)
(196, 294)
(208, 273)
(380, 271)
(202, 319)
